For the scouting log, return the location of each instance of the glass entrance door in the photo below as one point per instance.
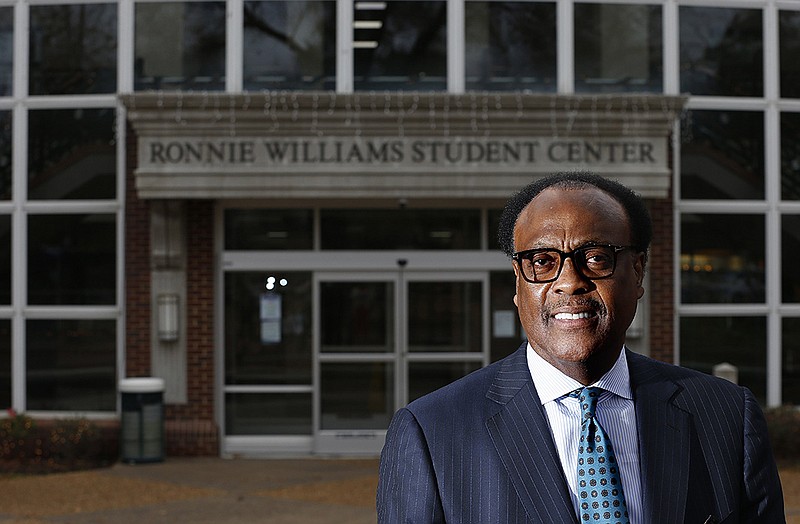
(386, 338)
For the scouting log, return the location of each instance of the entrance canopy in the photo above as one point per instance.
(396, 145)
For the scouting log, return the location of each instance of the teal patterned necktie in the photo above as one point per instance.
(600, 496)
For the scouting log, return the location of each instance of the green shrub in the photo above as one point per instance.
(44, 446)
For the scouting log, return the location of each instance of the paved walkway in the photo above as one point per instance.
(220, 491)
(198, 490)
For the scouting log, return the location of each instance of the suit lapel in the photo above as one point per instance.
(521, 435)
(664, 443)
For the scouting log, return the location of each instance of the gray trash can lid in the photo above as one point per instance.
(141, 385)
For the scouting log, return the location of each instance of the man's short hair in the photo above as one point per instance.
(638, 215)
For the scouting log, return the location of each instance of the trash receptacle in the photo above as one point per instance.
(142, 423)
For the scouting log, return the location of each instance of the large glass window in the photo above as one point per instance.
(741, 341)
(401, 229)
(424, 377)
(357, 317)
(269, 229)
(268, 328)
(790, 381)
(722, 259)
(503, 53)
(722, 155)
(789, 42)
(180, 45)
(265, 414)
(290, 45)
(721, 51)
(356, 396)
(72, 154)
(604, 34)
(400, 45)
(7, 45)
(790, 254)
(790, 156)
(73, 49)
(5, 154)
(71, 365)
(445, 316)
(72, 259)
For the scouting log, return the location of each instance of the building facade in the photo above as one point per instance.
(286, 209)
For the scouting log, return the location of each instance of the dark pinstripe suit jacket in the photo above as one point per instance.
(480, 451)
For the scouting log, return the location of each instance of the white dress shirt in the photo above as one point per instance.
(615, 413)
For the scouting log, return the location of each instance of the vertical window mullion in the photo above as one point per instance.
(455, 46)
(565, 23)
(344, 46)
(671, 51)
(234, 49)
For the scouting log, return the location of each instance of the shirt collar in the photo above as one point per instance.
(551, 384)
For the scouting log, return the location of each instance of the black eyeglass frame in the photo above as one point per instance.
(563, 256)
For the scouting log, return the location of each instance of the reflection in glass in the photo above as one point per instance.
(5, 362)
(268, 414)
(356, 396)
(401, 229)
(503, 53)
(180, 45)
(269, 229)
(357, 317)
(5, 154)
(722, 156)
(604, 34)
(7, 45)
(722, 259)
(789, 50)
(790, 156)
(444, 317)
(5, 259)
(72, 259)
(267, 331)
(741, 341)
(73, 49)
(71, 154)
(790, 367)
(790, 254)
(71, 365)
(289, 45)
(400, 45)
(424, 377)
(507, 333)
(721, 51)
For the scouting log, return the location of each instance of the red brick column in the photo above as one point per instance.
(661, 288)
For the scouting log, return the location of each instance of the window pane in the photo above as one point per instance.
(73, 49)
(790, 382)
(267, 229)
(357, 317)
(741, 341)
(722, 156)
(790, 254)
(445, 317)
(5, 155)
(790, 156)
(722, 259)
(603, 34)
(507, 333)
(502, 53)
(407, 49)
(267, 332)
(7, 45)
(71, 154)
(5, 363)
(789, 50)
(180, 46)
(424, 377)
(401, 229)
(721, 51)
(290, 45)
(72, 259)
(356, 396)
(268, 414)
(71, 365)
(5, 259)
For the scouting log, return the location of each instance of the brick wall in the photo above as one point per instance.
(661, 289)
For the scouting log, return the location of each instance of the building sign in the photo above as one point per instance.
(428, 154)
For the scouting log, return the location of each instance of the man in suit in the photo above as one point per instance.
(501, 444)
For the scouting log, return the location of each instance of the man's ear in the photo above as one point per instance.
(516, 282)
(639, 267)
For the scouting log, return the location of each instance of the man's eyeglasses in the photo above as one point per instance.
(593, 261)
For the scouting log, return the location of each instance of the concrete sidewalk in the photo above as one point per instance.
(199, 490)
